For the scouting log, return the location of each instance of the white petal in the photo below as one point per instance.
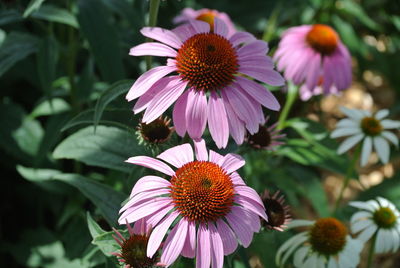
(362, 205)
(366, 150)
(347, 123)
(349, 142)
(367, 233)
(294, 242)
(299, 223)
(352, 113)
(380, 243)
(382, 148)
(389, 124)
(361, 215)
(361, 225)
(341, 132)
(298, 259)
(396, 239)
(382, 114)
(391, 137)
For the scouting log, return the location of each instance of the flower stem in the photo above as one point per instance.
(291, 97)
(371, 251)
(349, 172)
(153, 13)
(244, 257)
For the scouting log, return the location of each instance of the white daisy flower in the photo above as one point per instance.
(372, 129)
(325, 245)
(378, 217)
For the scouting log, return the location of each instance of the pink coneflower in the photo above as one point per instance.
(206, 15)
(205, 76)
(313, 56)
(133, 248)
(205, 203)
(267, 137)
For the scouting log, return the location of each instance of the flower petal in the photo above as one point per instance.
(218, 120)
(200, 26)
(341, 132)
(228, 237)
(201, 150)
(153, 49)
(178, 114)
(382, 148)
(232, 162)
(217, 249)
(203, 253)
(152, 163)
(162, 35)
(189, 249)
(382, 114)
(178, 155)
(174, 243)
(390, 124)
(366, 150)
(241, 37)
(220, 27)
(391, 137)
(349, 142)
(196, 113)
(270, 77)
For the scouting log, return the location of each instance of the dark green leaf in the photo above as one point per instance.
(16, 47)
(108, 148)
(55, 14)
(116, 90)
(47, 62)
(50, 107)
(9, 16)
(96, 26)
(32, 6)
(103, 196)
(94, 228)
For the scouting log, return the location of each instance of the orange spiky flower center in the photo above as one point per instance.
(328, 236)
(158, 131)
(207, 61)
(133, 251)
(323, 39)
(202, 191)
(371, 126)
(384, 217)
(208, 17)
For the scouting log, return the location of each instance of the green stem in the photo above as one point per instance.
(244, 257)
(371, 251)
(291, 97)
(349, 172)
(270, 29)
(153, 13)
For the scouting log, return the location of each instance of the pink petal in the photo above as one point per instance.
(178, 114)
(249, 193)
(152, 163)
(174, 87)
(203, 253)
(228, 237)
(174, 243)
(144, 209)
(259, 93)
(270, 77)
(217, 249)
(220, 27)
(144, 196)
(156, 217)
(314, 70)
(200, 26)
(240, 226)
(252, 206)
(232, 162)
(189, 249)
(243, 107)
(184, 32)
(254, 48)
(148, 183)
(216, 158)
(162, 35)
(158, 233)
(201, 150)
(143, 102)
(241, 37)
(153, 49)
(196, 113)
(178, 155)
(256, 61)
(218, 121)
(146, 80)
(236, 126)
(236, 179)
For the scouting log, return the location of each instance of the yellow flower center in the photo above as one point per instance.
(323, 39)
(202, 191)
(384, 217)
(328, 236)
(371, 126)
(207, 61)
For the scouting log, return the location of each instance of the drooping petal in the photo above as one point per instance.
(146, 80)
(349, 142)
(152, 163)
(382, 148)
(366, 150)
(217, 250)
(203, 253)
(228, 237)
(236, 126)
(178, 114)
(201, 150)
(178, 155)
(218, 120)
(153, 49)
(174, 243)
(189, 249)
(196, 113)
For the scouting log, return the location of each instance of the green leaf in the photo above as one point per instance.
(37, 175)
(108, 148)
(28, 136)
(32, 6)
(116, 90)
(94, 228)
(16, 47)
(55, 14)
(107, 243)
(47, 59)
(50, 107)
(356, 10)
(8, 16)
(103, 196)
(94, 20)
(2, 36)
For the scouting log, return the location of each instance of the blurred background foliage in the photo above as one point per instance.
(66, 128)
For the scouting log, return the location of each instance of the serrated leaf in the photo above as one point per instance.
(103, 196)
(114, 91)
(94, 20)
(15, 48)
(32, 6)
(55, 14)
(109, 147)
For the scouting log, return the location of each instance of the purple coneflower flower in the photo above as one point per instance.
(205, 203)
(206, 15)
(313, 56)
(267, 137)
(208, 75)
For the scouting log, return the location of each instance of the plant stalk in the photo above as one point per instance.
(291, 98)
(371, 251)
(153, 13)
